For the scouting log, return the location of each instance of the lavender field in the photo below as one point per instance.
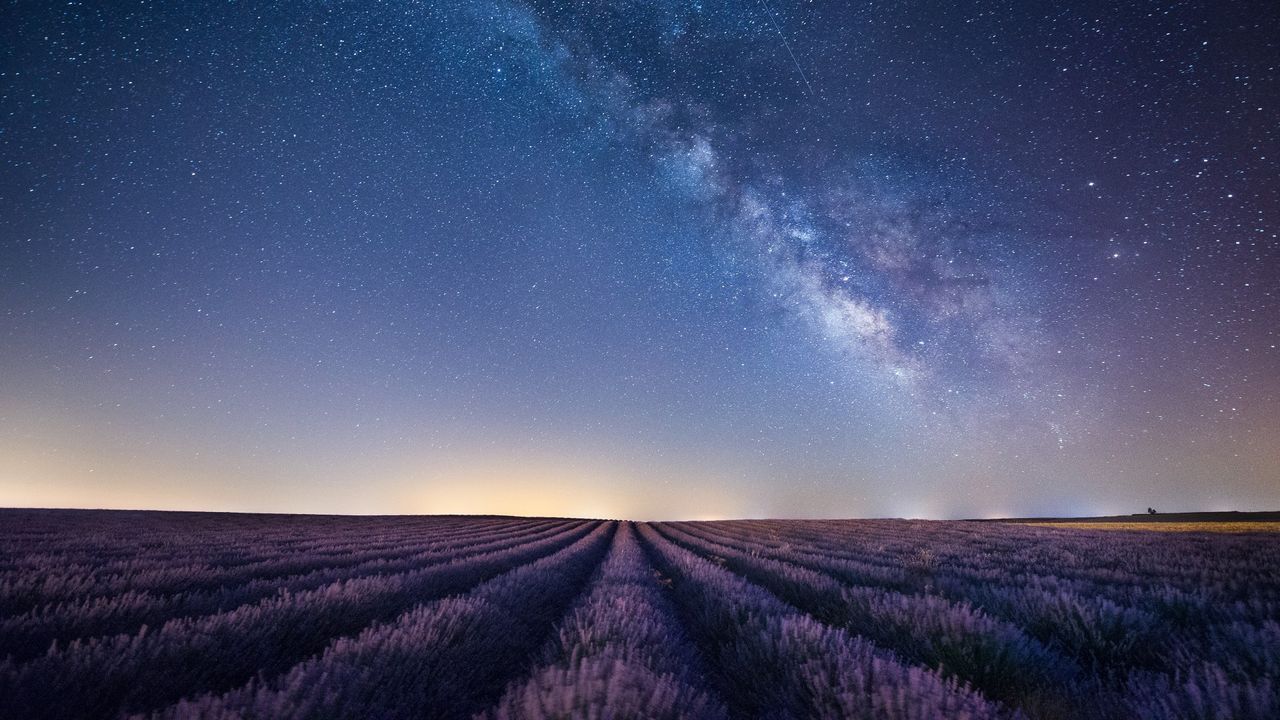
(108, 614)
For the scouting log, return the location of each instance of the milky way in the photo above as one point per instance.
(645, 260)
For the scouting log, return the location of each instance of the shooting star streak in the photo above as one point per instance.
(787, 45)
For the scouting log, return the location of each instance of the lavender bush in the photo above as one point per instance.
(620, 653)
(187, 615)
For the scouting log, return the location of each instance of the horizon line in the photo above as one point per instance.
(1029, 518)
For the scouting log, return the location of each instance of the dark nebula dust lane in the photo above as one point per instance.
(679, 260)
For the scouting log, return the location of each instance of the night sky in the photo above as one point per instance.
(641, 259)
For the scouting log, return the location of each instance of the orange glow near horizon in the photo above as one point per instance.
(75, 462)
(523, 482)
(541, 483)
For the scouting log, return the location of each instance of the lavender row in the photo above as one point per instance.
(994, 656)
(771, 660)
(1123, 567)
(150, 669)
(619, 653)
(216, 560)
(441, 659)
(29, 634)
(1132, 653)
(1080, 619)
(187, 568)
(103, 539)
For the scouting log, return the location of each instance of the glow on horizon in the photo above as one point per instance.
(541, 483)
(528, 478)
(519, 481)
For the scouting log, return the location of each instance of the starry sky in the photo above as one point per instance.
(641, 259)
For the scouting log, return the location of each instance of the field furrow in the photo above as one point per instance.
(153, 668)
(172, 616)
(29, 634)
(620, 653)
(442, 659)
(192, 568)
(772, 661)
(993, 656)
(1219, 657)
(1077, 619)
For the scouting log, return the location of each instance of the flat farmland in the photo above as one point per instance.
(117, 614)
(1173, 526)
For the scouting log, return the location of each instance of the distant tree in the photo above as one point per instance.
(1151, 511)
